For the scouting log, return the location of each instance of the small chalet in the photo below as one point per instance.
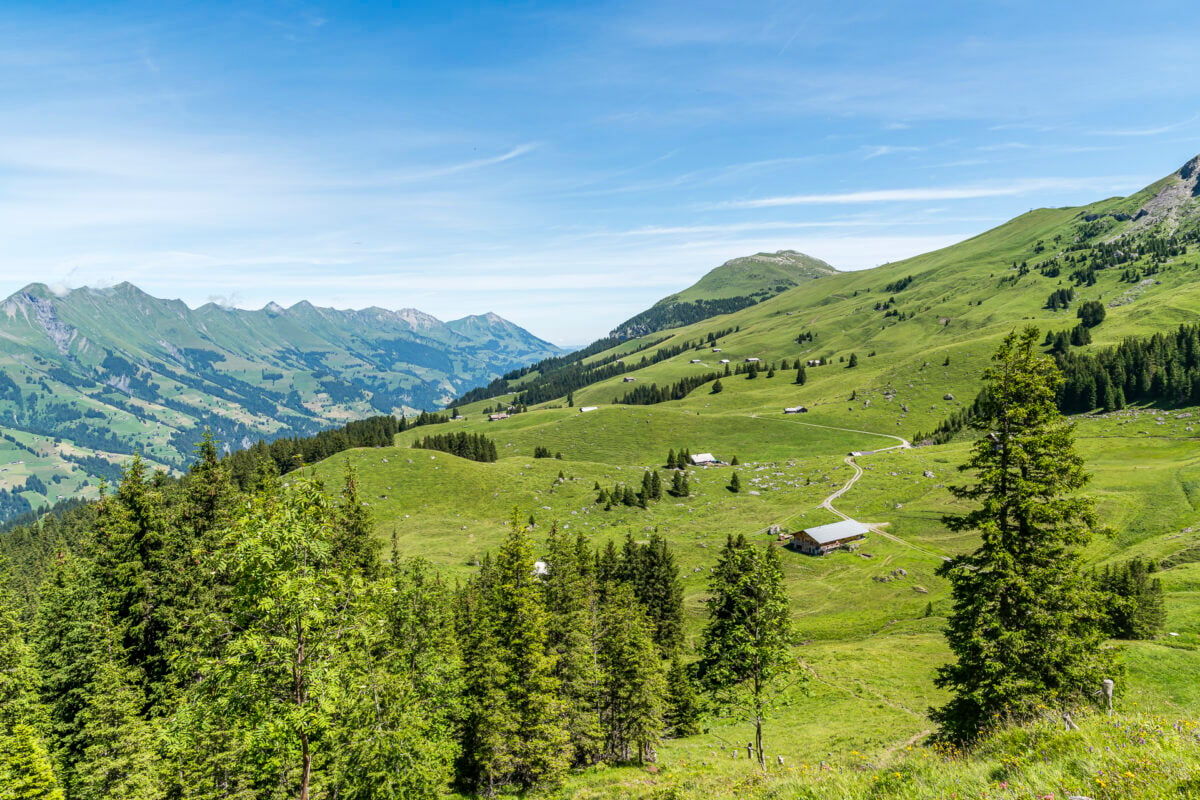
(724, 360)
(814, 362)
(628, 379)
(497, 417)
(753, 360)
(825, 538)
(704, 460)
(796, 410)
(585, 409)
(697, 361)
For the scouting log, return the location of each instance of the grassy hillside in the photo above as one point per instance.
(735, 284)
(872, 635)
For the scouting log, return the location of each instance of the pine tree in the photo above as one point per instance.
(745, 649)
(522, 742)
(717, 386)
(354, 542)
(801, 375)
(671, 459)
(570, 597)
(678, 485)
(735, 483)
(399, 693)
(1024, 628)
(73, 637)
(25, 767)
(26, 772)
(633, 685)
(683, 704)
(656, 485)
(853, 361)
(119, 758)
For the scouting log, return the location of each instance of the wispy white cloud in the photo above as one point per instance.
(877, 151)
(1151, 131)
(927, 193)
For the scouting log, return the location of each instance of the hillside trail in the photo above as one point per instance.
(827, 503)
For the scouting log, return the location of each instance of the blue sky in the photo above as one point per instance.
(563, 164)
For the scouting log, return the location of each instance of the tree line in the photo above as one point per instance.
(474, 446)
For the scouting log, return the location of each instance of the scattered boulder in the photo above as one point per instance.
(947, 396)
(920, 590)
(928, 474)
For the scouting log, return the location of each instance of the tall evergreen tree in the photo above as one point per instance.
(682, 716)
(119, 759)
(522, 742)
(570, 593)
(1024, 630)
(746, 648)
(354, 542)
(25, 767)
(633, 686)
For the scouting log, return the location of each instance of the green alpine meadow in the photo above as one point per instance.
(667, 400)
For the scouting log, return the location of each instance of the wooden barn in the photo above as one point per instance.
(824, 538)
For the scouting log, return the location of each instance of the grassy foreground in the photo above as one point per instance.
(1109, 758)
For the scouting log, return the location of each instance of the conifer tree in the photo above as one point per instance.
(26, 772)
(1024, 628)
(118, 758)
(801, 375)
(529, 746)
(354, 542)
(656, 485)
(717, 386)
(735, 483)
(73, 637)
(394, 727)
(682, 703)
(25, 766)
(633, 686)
(746, 647)
(570, 596)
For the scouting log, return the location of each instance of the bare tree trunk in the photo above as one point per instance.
(307, 773)
(758, 746)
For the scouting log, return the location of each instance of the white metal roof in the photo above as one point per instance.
(824, 534)
(703, 458)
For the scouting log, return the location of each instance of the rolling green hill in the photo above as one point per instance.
(93, 375)
(737, 283)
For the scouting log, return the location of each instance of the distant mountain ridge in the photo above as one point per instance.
(116, 370)
(736, 284)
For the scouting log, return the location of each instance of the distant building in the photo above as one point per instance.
(497, 417)
(704, 460)
(724, 361)
(584, 409)
(814, 362)
(697, 361)
(753, 360)
(716, 349)
(825, 538)
(796, 410)
(628, 379)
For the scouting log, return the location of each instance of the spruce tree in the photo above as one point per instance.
(656, 485)
(524, 739)
(118, 758)
(683, 703)
(717, 386)
(570, 597)
(26, 772)
(354, 543)
(735, 483)
(746, 648)
(1024, 628)
(801, 375)
(633, 687)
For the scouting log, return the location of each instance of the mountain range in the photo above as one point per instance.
(89, 376)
